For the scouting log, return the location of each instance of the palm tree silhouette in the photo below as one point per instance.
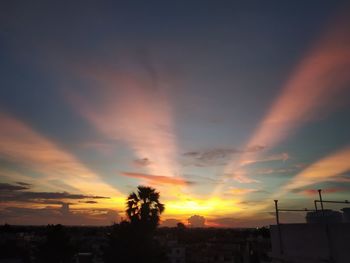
(133, 240)
(144, 208)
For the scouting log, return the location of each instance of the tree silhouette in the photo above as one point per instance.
(144, 208)
(133, 240)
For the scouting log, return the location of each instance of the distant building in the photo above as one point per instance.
(176, 252)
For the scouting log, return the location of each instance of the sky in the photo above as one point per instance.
(222, 106)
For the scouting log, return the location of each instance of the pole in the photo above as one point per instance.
(278, 227)
(328, 234)
(315, 202)
(277, 215)
(319, 193)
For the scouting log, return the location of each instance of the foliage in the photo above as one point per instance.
(133, 240)
(144, 208)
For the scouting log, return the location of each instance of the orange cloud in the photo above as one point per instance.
(326, 169)
(20, 143)
(157, 179)
(241, 191)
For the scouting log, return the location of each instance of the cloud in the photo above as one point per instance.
(196, 221)
(276, 157)
(11, 187)
(215, 157)
(278, 171)
(241, 177)
(316, 85)
(326, 169)
(143, 162)
(158, 179)
(320, 76)
(23, 184)
(223, 222)
(171, 222)
(10, 192)
(314, 192)
(57, 195)
(240, 191)
(21, 144)
(209, 158)
(135, 110)
(89, 202)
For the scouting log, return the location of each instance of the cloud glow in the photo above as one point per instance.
(20, 143)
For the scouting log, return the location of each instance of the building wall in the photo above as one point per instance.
(311, 243)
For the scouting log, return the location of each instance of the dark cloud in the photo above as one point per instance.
(171, 222)
(203, 179)
(215, 157)
(58, 195)
(196, 221)
(142, 162)
(23, 184)
(11, 187)
(224, 222)
(11, 192)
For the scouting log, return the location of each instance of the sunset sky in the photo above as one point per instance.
(222, 106)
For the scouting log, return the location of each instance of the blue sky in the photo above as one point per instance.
(220, 106)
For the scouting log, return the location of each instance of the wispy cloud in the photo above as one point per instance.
(216, 156)
(142, 162)
(319, 78)
(276, 157)
(240, 191)
(242, 178)
(135, 110)
(21, 144)
(11, 187)
(17, 193)
(314, 192)
(158, 179)
(321, 75)
(326, 169)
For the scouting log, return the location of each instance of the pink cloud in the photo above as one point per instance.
(314, 192)
(320, 76)
(157, 179)
(316, 84)
(134, 111)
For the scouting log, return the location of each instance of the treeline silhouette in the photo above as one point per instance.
(131, 240)
(136, 239)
